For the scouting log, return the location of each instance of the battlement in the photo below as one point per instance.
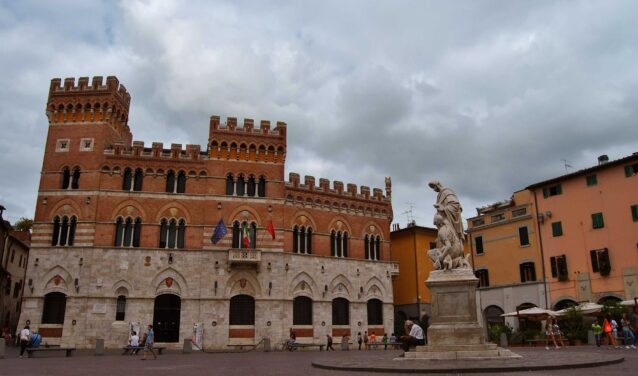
(337, 188)
(139, 149)
(97, 87)
(219, 129)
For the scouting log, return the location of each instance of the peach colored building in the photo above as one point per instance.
(588, 227)
(506, 257)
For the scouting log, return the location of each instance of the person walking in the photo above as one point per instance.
(557, 333)
(25, 336)
(609, 333)
(597, 329)
(549, 333)
(614, 330)
(626, 332)
(366, 340)
(359, 340)
(385, 341)
(150, 339)
(329, 343)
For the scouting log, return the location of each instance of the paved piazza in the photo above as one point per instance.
(275, 363)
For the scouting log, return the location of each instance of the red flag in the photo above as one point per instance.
(271, 229)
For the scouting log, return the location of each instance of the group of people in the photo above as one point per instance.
(610, 330)
(371, 341)
(147, 341)
(27, 338)
(553, 333)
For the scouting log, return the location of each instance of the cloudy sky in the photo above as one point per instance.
(486, 96)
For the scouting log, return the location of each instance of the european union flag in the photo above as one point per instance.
(220, 231)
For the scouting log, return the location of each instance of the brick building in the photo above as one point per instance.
(123, 235)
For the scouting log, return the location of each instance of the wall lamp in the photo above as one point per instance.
(88, 200)
(31, 285)
(269, 288)
(77, 285)
(215, 287)
(170, 258)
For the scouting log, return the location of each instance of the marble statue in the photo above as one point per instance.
(448, 253)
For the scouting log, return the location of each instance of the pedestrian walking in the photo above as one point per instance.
(597, 329)
(609, 333)
(385, 341)
(329, 343)
(359, 340)
(366, 340)
(626, 332)
(25, 336)
(150, 339)
(549, 333)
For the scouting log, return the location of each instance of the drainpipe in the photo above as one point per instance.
(540, 244)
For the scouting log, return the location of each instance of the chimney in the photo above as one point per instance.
(603, 159)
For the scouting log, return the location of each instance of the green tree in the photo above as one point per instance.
(24, 224)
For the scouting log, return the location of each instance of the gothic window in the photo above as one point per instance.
(66, 178)
(302, 311)
(127, 232)
(120, 309)
(251, 186)
(239, 234)
(372, 245)
(139, 178)
(54, 308)
(340, 311)
(181, 182)
(236, 235)
(172, 233)
(242, 310)
(75, 180)
(261, 187)
(230, 185)
(170, 181)
(63, 230)
(302, 239)
(241, 185)
(375, 312)
(128, 179)
(339, 244)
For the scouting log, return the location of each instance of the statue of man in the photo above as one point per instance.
(448, 205)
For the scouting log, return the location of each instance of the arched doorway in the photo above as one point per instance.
(565, 303)
(166, 315)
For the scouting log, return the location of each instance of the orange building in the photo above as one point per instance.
(506, 257)
(410, 248)
(588, 226)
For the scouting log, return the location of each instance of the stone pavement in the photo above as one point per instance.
(286, 363)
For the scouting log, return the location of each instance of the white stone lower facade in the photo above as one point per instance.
(93, 278)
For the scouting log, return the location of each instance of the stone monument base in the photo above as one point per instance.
(455, 332)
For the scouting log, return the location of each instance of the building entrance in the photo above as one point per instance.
(166, 314)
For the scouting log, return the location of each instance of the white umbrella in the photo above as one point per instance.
(630, 302)
(534, 313)
(587, 308)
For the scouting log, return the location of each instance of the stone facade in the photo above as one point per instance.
(327, 242)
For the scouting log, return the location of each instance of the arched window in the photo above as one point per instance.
(261, 187)
(139, 179)
(170, 181)
(340, 311)
(339, 244)
(372, 247)
(236, 234)
(241, 185)
(242, 310)
(66, 178)
(54, 308)
(375, 312)
(230, 185)
(127, 180)
(302, 311)
(251, 186)
(120, 308)
(295, 239)
(75, 181)
(172, 233)
(127, 232)
(63, 231)
(181, 182)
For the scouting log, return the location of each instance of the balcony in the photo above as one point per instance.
(244, 256)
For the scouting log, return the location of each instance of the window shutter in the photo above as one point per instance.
(562, 267)
(546, 192)
(628, 171)
(594, 261)
(552, 261)
(521, 269)
(559, 189)
(634, 212)
(533, 269)
(605, 265)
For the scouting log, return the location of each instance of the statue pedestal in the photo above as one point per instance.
(455, 331)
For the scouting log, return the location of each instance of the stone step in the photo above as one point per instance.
(477, 347)
(496, 353)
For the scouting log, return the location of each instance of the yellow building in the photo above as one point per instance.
(506, 257)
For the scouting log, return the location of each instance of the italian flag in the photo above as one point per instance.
(246, 240)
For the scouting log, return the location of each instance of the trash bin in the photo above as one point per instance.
(267, 344)
(188, 346)
(99, 346)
